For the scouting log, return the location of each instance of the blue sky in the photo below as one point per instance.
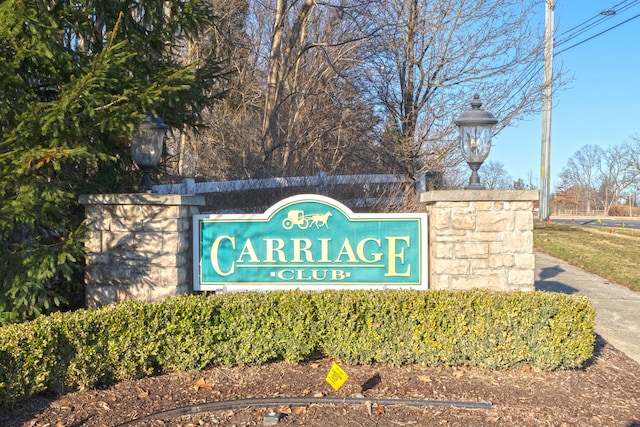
(601, 106)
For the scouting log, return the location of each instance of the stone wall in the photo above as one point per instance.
(138, 246)
(481, 239)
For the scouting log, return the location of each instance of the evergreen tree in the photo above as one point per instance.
(76, 78)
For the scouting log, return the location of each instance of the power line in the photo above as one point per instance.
(601, 17)
(599, 34)
(549, 54)
(533, 70)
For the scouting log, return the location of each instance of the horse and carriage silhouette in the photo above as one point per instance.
(298, 217)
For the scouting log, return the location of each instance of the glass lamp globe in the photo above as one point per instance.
(147, 146)
(476, 129)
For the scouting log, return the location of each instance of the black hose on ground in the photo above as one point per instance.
(301, 401)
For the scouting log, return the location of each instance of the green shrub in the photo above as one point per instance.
(87, 348)
(66, 119)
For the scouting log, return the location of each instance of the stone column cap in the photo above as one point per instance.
(142, 199)
(479, 196)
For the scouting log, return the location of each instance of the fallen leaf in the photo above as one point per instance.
(424, 378)
(300, 410)
(103, 405)
(201, 383)
(379, 409)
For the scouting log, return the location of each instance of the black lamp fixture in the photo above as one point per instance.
(476, 129)
(147, 146)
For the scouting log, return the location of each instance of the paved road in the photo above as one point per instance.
(617, 308)
(603, 222)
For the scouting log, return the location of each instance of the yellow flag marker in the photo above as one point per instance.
(336, 376)
(599, 221)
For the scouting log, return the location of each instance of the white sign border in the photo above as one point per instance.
(198, 287)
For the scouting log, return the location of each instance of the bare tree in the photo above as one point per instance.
(310, 104)
(229, 148)
(494, 176)
(291, 108)
(596, 177)
(433, 56)
(616, 172)
(567, 195)
(213, 150)
(533, 181)
(582, 171)
(632, 155)
(361, 85)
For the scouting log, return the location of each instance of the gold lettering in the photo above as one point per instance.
(337, 275)
(316, 276)
(273, 249)
(395, 255)
(298, 249)
(377, 256)
(301, 276)
(214, 255)
(324, 250)
(248, 250)
(348, 251)
(289, 276)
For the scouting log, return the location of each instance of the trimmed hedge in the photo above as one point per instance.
(623, 210)
(496, 330)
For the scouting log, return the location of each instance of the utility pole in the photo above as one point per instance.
(545, 158)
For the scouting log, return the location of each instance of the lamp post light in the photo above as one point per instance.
(476, 129)
(146, 147)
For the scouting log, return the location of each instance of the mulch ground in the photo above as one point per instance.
(606, 392)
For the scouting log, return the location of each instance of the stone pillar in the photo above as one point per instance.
(138, 246)
(481, 239)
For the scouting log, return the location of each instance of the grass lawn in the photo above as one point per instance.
(612, 253)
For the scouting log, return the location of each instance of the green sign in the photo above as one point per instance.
(309, 242)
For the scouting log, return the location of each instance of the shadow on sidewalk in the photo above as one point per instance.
(543, 284)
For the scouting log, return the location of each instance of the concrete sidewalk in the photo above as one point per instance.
(617, 308)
